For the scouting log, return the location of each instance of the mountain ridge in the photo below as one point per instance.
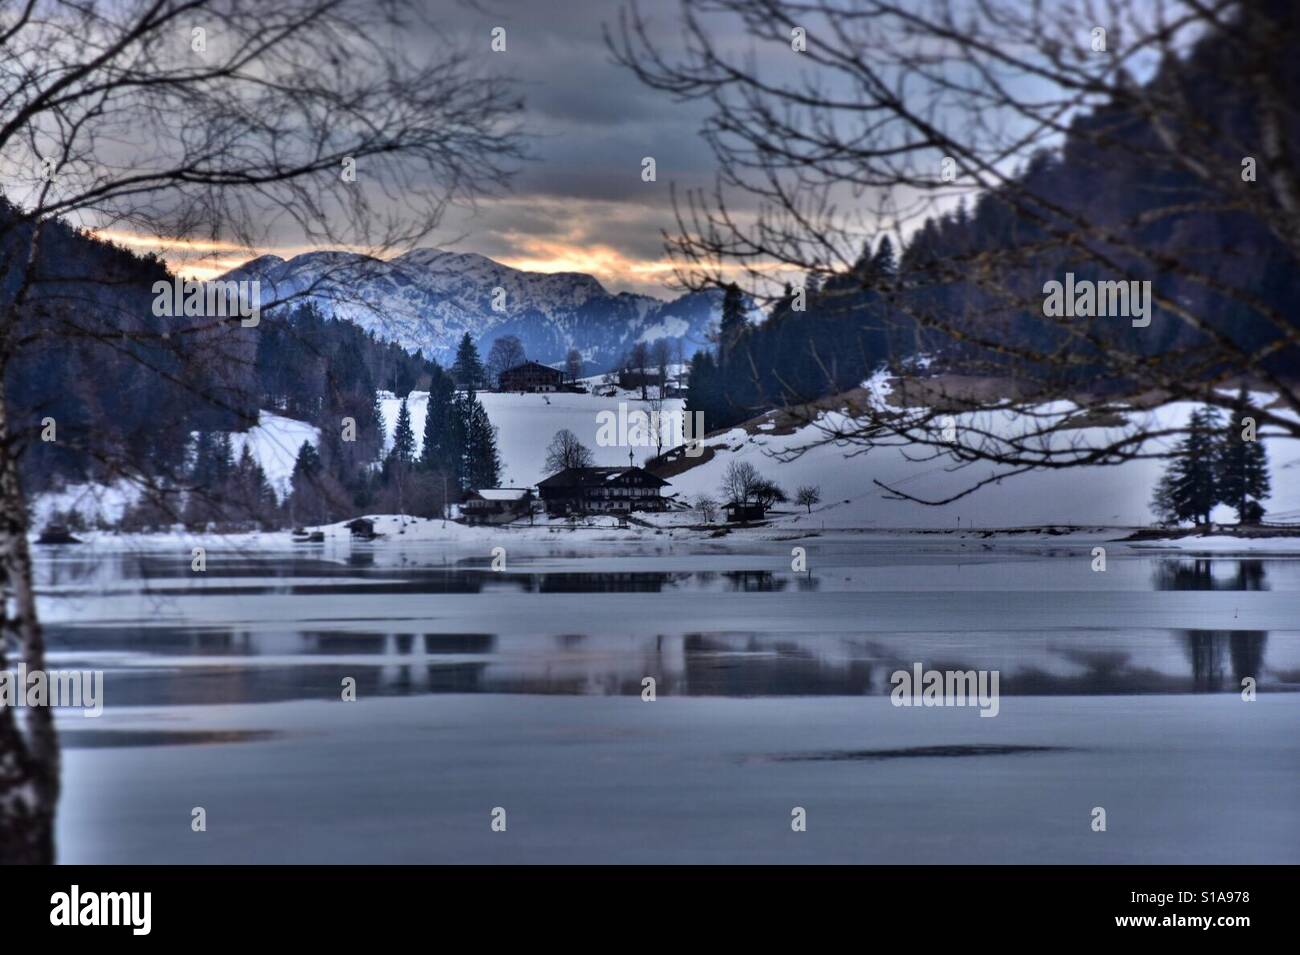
(427, 298)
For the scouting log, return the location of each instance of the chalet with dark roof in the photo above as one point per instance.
(602, 491)
(530, 376)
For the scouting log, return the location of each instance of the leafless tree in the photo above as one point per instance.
(707, 507)
(573, 364)
(658, 422)
(202, 121)
(808, 495)
(740, 481)
(506, 352)
(638, 360)
(767, 492)
(661, 356)
(839, 123)
(566, 451)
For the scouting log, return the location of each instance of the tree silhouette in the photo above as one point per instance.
(203, 120)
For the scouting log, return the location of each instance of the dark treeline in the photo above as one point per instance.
(98, 384)
(329, 373)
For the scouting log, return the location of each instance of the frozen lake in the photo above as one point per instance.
(521, 688)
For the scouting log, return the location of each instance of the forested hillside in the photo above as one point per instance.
(98, 387)
(967, 288)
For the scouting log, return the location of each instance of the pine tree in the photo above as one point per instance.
(732, 325)
(203, 469)
(1242, 466)
(223, 459)
(437, 452)
(1163, 499)
(884, 264)
(1258, 486)
(483, 465)
(404, 437)
(244, 468)
(458, 450)
(783, 306)
(704, 392)
(370, 434)
(266, 504)
(862, 267)
(249, 495)
(468, 369)
(306, 502)
(1189, 489)
(307, 465)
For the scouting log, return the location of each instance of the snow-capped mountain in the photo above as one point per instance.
(428, 299)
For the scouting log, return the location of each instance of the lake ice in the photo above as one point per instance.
(522, 689)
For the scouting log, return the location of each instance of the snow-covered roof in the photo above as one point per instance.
(586, 477)
(501, 493)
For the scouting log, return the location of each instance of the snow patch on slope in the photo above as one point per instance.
(274, 443)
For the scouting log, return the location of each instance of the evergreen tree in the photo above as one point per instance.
(458, 450)
(370, 434)
(306, 501)
(732, 325)
(1242, 466)
(223, 459)
(1163, 499)
(308, 464)
(483, 465)
(266, 508)
(404, 437)
(468, 369)
(1189, 489)
(862, 267)
(1256, 481)
(438, 432)
(884, 264)
(248, 495)
(705, 392)
(203, 470)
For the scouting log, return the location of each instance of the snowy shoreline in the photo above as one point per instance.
(402, 530)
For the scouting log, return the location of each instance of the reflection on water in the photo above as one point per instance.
(182, 665)
(246, 578)
(1220, 659)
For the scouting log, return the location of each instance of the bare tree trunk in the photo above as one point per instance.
(29, 754)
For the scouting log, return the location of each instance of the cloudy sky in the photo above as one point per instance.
(579, 202)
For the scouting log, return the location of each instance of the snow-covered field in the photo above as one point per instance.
(526, 423)
(1111, 496)
(1108, 496)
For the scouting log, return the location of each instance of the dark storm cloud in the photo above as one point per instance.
(591, 119)
(590, 123)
